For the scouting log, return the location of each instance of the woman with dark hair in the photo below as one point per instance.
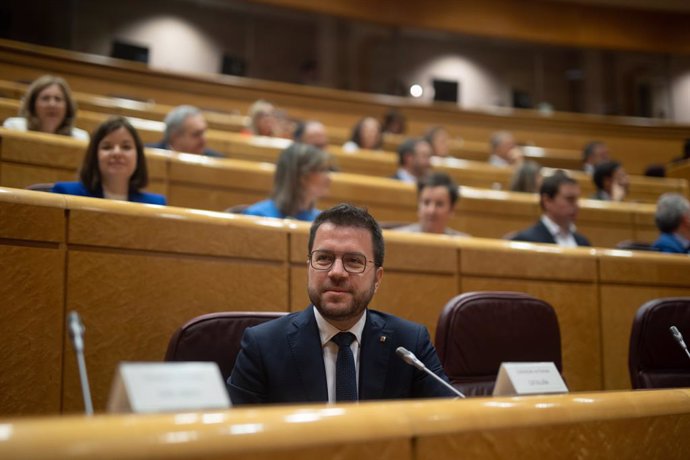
(47, 107)
(114, 166)
(301, 178)
(365, 135)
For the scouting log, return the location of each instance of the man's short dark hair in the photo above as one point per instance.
(407, 148)
(439, 179)
(604, 171)
(347, 215)
(552, 184)
(589, 149)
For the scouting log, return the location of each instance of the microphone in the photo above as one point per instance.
(679, 338)
(413, 361)
(76, 333)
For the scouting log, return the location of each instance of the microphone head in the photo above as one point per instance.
(74, 324)
(676, 333)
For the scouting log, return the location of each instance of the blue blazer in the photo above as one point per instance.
(268, 208)
(77, 188)
(667, 242)
(281, 361)
(540, 234)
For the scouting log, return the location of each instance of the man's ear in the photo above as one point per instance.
(379, 276)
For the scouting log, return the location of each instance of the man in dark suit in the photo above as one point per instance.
(337, 349)
(559, 196)
(414, 160)
(185, 131)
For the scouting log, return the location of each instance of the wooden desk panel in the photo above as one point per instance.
(32, 216)
(100, 223)
(132, 302)
(577, 308)
(32, 322)
(591, 425)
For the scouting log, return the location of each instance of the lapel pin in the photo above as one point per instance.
(382, 339)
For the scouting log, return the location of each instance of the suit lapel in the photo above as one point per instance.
(305, 345)
(545, 234)
(377, 342)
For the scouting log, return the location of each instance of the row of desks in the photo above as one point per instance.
(137, 272)
(636, 142)
(199, 182)
(642, 424)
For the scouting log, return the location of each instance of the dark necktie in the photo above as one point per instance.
(345, 372)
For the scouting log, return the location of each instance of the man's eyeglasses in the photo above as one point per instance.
(352, 262)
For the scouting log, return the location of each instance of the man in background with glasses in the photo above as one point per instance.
(337, 349)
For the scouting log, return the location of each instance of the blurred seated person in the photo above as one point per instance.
(559, 196)
(673, 221)
(611, 182)
(526, 178)
(437, 195)
(47, 107)
(686, 153)
(283, 126)
(365, 135)
(301, 178)
(185, 131)
(262, 120)
(393, 122)
(594, 153)
(114, 166)
(414, 160)
(312, 132)
(504, 149)
(438, 138)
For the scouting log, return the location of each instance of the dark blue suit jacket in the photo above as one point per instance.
(77, 188)
(281, 361)
(540, 234)
(668, 243)
(164, 146)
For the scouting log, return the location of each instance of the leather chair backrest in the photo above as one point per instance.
(214, 337)
(655, 359)
(477, 331)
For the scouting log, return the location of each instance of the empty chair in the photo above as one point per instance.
(655, 359)
(214, 337)
(477, 331)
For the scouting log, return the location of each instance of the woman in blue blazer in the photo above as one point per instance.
(114, 166)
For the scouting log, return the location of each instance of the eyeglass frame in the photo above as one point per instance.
(335, 257)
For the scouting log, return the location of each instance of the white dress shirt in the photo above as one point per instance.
(330, 350)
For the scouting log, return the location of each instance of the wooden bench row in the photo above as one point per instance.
(556, 426)
(338, 135)
(381, 164)
(136, 272)
(636, 142)
(215, 184)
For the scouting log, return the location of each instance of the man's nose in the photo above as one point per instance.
(338, 269)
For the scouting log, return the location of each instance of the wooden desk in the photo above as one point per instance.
(592, 425)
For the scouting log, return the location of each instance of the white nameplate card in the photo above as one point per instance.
(528, 379)
(167, 387)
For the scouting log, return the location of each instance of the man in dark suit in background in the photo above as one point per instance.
(337, 349)
(559, 196)
(673, 220)
(414, 160)
(185, 131)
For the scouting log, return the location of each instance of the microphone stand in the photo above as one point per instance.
(76, 331)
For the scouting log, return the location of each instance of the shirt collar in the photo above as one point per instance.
(553, 227)
(405, 176)
(327, 331)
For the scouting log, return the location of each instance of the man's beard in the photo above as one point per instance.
(354, 309)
